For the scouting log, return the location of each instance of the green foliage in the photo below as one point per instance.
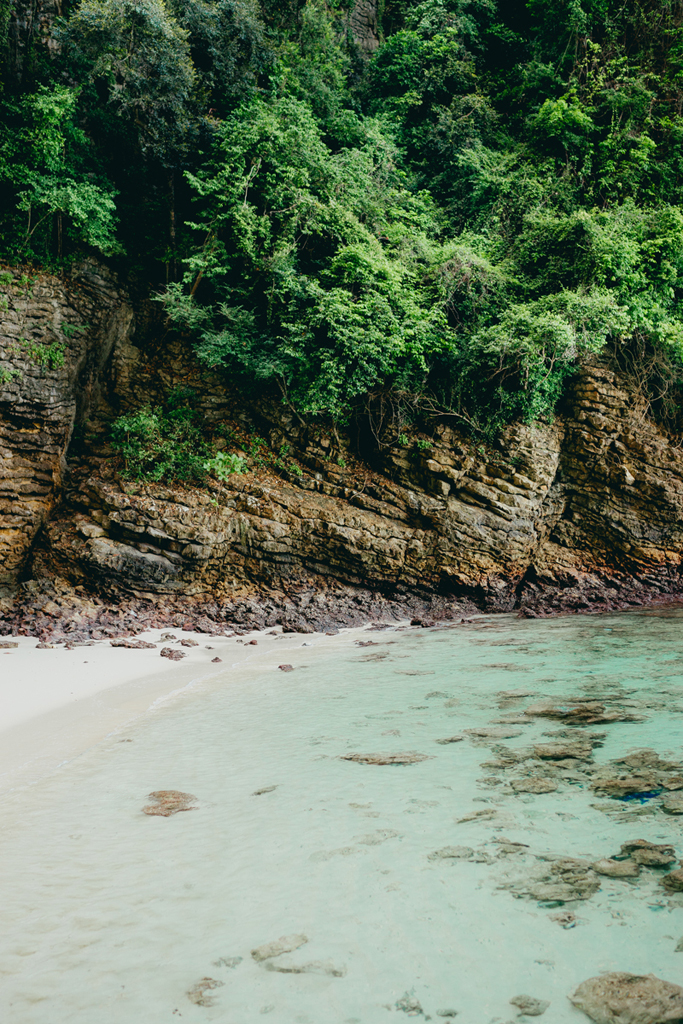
(48, 357)
(451, 225)
(41, 176)
(161, 445)
(139, 53)
(223, 464)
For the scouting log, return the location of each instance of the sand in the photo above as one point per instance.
(57, 703)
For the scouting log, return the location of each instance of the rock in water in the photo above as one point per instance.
(6, 645)
(407, 757)
(494, 732)
(285, 944)
(617, 868)
(537, 785)
(672, 803)
(314, 967)
(673, 881)
(650, 854)
(620, 998)
(452, 853)
(189, 643)
(286, 668)
(197, 994)
(450, 739)
(170, 801)
(530, 1006)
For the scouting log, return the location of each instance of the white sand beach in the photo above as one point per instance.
(56, 703)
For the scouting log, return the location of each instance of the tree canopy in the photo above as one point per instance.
(450, 224)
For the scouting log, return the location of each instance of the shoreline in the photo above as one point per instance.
(57, 703)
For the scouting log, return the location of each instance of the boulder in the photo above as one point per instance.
(620, 998)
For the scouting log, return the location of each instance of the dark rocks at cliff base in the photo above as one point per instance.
(530, 1006)
(198, 993)
(407, 757)
(620, 998)
(168, 652)
(169, 801)
(134, 645)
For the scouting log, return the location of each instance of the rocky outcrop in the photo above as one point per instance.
(583, 513)
(364, 25)
(55, 339)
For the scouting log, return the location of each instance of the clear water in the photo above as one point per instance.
(112, 916)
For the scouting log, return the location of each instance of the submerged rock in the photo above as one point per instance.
(407, 757)
(285, 944)
(530, 1006)
(314, 967)
(286, 668)
(228, 961)
(568, 880)
(673, 881)
(410, 1005)
(649, 854)
(672, 803)
(450, 739)
(619, 998)
(452, 852)
(197, 994)
(580, 710)
(534, 785)
(494, 732)
(170, 801)
(578, 749)
(617, 868)
(620, 786)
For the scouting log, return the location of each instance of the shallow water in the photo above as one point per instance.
(113, 916)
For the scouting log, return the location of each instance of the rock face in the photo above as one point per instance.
(40, 404)
(584, 513)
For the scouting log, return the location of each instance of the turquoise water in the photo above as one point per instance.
(116, 917)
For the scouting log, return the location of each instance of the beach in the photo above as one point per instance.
(59, 701)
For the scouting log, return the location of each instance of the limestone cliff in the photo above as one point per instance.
(586, 512)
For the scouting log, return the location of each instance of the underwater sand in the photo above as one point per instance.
(113, 916)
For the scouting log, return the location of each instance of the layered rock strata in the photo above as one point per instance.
(582, 513)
